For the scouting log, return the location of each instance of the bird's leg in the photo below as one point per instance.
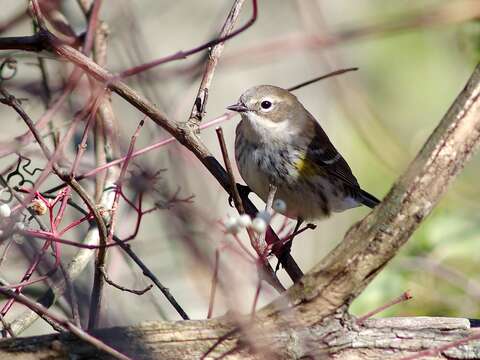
(243, 191)
(287, 247)
(262, 245)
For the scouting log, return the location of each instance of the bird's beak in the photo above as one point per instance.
(238, 107)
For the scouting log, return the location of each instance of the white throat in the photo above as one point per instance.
(264, 130)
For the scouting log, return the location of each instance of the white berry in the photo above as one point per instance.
(5, 211)
(244, 221)
(231, 225)
(259, 225)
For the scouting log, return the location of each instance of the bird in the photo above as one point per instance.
(279, 143)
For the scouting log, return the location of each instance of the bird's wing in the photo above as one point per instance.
(322, 152)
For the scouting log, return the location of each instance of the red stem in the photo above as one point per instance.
(184, 54)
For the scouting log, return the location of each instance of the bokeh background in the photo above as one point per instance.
(414, 57)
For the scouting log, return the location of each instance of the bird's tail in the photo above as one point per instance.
(367, 199)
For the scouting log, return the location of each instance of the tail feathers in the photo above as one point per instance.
(367, 199)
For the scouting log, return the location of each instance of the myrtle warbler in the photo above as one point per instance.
(278, 142)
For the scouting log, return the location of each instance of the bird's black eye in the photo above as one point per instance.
(265, 104)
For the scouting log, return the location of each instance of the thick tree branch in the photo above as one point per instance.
(377, 339)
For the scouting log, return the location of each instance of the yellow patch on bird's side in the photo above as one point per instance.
(306, 167)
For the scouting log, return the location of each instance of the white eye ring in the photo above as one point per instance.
(266, 105)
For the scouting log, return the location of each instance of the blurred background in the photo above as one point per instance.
(414, 57)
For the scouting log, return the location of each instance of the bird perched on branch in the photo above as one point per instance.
(278, 142)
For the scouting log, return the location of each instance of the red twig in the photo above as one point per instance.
(123, 171)
(38, 234)
(440, 349)
(97, 99)
(404, 297)
(92, 27)
(149, 148)
(184, 54)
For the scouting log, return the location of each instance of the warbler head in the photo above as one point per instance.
(267, 108)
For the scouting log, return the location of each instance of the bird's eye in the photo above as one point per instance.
(265, 104)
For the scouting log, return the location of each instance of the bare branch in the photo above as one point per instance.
(200, 103)
(123, 288)
(214, 339)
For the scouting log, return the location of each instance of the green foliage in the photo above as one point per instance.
(439, 266)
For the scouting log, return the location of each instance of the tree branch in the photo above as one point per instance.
(377, 339)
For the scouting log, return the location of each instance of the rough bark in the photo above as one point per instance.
(376, 339)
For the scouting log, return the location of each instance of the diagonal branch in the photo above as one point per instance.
(371, 243)
(181, 131)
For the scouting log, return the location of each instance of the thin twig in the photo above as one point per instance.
(256, 297)
(105, 138)
(123, 288)
(326, 76)
(404, 297)
(295, 233)
(146, 271)
(200, 103)
(440, 349)
(184, 54)
(140, 152)
(73, 298)
(237, 200)
(213, 288)
(10, 100)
